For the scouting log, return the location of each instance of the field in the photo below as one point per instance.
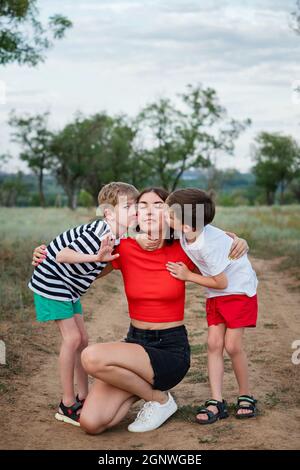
(29, 389)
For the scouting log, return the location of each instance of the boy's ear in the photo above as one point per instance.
(107, 213)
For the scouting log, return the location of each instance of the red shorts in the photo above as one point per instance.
(236, 311)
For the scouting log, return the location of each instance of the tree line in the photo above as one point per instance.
(157, 146)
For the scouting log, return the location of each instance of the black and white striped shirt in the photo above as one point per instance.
(63, 281)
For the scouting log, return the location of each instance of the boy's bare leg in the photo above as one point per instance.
(234, 347)
(80, 374)
(216, 338)
(71, 339)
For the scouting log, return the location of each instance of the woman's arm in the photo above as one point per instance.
(239, 246)
(108, 269)
(238, 249)
(182, 272)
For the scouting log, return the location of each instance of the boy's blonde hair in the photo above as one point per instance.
(109, 194)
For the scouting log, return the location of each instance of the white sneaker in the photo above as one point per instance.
(153, 415)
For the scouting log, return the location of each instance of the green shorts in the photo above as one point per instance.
(49, 309)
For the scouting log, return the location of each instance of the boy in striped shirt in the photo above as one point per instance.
(74, 259)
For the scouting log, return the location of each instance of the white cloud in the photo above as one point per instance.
(122, 54)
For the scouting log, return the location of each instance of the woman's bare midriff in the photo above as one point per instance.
(155, 326)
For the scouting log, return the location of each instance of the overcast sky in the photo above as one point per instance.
(121, 54)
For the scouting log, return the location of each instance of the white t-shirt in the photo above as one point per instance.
(210, 253)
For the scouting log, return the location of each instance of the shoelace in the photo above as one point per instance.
(146, 412)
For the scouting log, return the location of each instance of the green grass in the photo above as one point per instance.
(269, 231)
(195, 377)
(271, 326)
(271, 400)
(39, 225)
(186, 413)
(195, 333)
(21, 229)
(197, 349)
(207, 439)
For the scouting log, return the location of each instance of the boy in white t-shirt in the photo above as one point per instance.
(231, 302)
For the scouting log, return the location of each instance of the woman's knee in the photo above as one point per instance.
(91, 358)
(90, 426)
(87, 359)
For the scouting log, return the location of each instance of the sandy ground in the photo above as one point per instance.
(30, 401)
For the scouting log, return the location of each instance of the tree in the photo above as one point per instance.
(32, 134)
(295, 187)
(4, 159)
(74, 149)
(188, 136)
(296, 18)
(119, 149)
(11, 189)
(277, 159)
(112, 158)
(91, 151)
(23, 38)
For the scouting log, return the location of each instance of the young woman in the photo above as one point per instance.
(155, 355)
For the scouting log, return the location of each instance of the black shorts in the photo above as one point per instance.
(169, 353)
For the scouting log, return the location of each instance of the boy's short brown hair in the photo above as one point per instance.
(110, 193)
(192, 197)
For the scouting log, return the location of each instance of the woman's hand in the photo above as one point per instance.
(239, 246)
(146, 243)
(179, 270)
(39, 254)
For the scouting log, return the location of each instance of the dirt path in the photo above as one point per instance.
(28, 413)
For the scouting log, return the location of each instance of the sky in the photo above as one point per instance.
(122, 54)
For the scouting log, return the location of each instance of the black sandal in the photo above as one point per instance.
(69, 413)
(213, 417)
(251, 402)
(82, 400)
